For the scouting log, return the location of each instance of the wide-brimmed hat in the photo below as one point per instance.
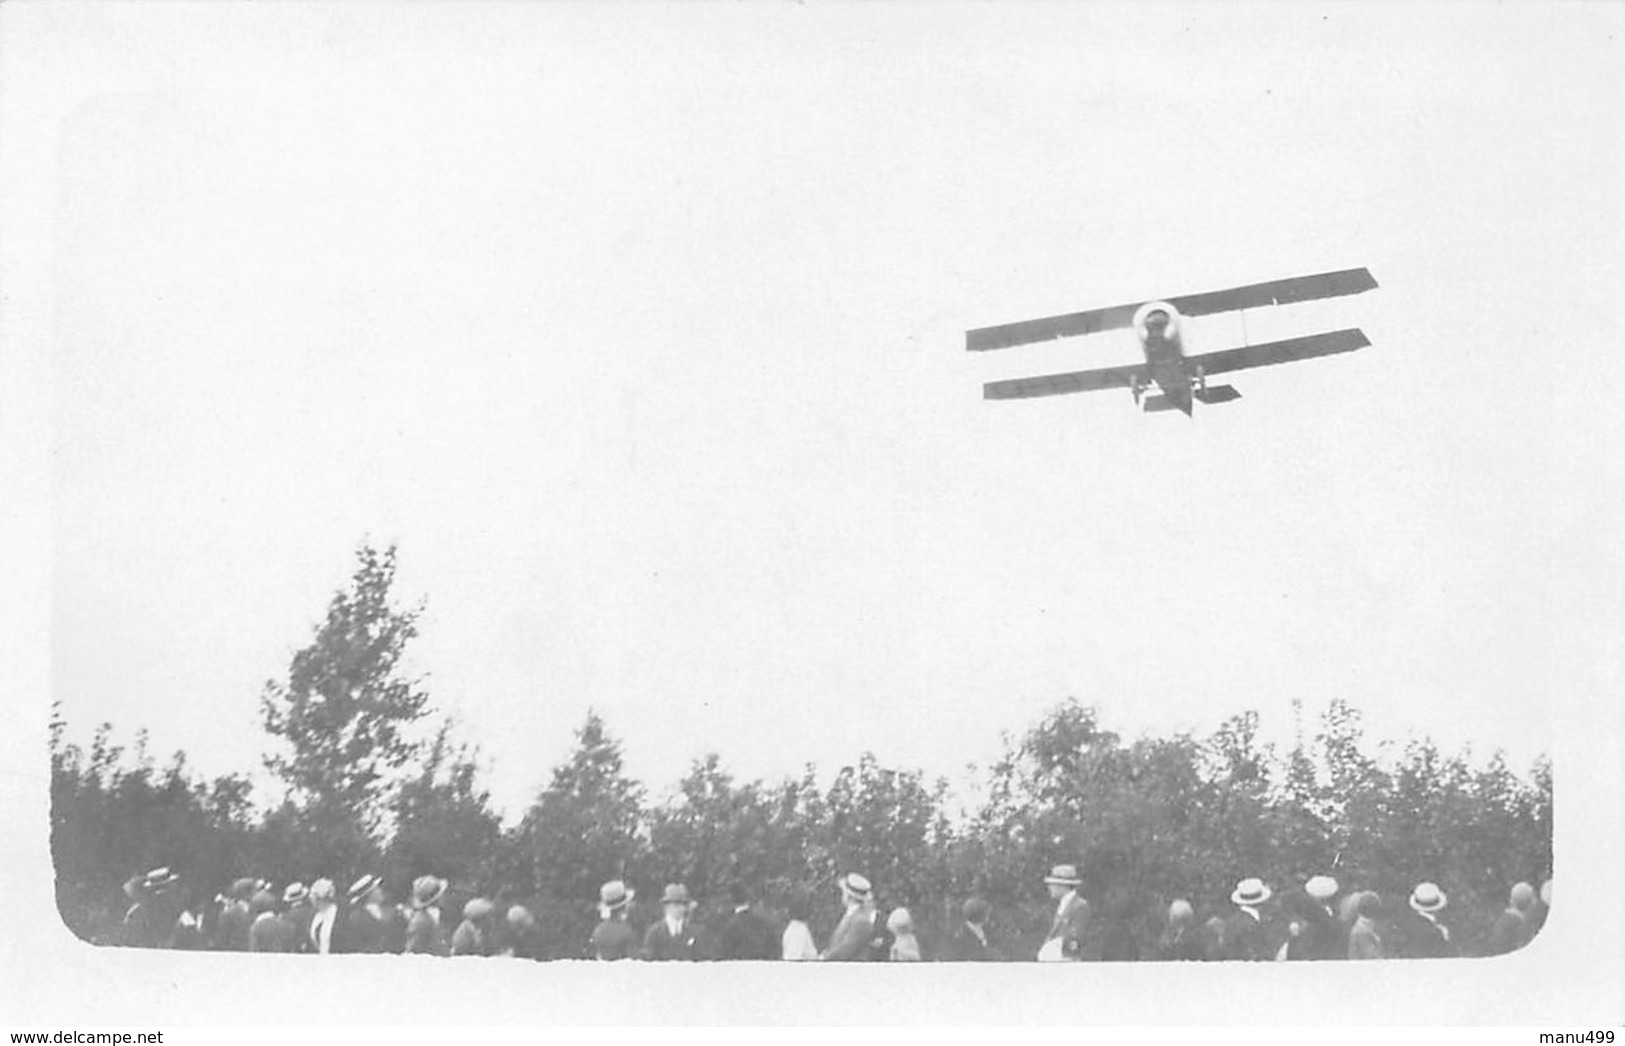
(1063, 875)
(364, 885)
(614, 894)
(426, 890)
(159, 879)
(1428, 898)
(323, 890)
(295, 892)
(676, 893)
(854, 885)
(1250, 892)
(1321, 887)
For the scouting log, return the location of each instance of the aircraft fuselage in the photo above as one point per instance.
(1157, 326)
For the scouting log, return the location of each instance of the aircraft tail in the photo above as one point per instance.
(1217, 394)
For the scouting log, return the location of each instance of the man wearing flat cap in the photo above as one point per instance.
(1064, 941)
(1245, 935)
(672, 937)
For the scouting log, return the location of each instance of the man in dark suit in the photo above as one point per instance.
(746, 935)
(970, 941)
(1324, 936)
(673, 937)
(1424, 936)
(231, 931)
(1245, 936)
(151, 921)
(271, 930)
(861, 935)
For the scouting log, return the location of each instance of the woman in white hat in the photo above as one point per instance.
(856, 931)
(424, 935)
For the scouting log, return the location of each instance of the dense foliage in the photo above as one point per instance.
(1147, 820)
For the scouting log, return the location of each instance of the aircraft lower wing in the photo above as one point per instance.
(1272, 352)
(1074, 381)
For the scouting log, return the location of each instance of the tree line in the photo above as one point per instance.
(374, 781)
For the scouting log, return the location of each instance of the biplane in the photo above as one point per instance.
(1179, 378)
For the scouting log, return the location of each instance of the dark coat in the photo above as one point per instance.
(1246, 939)
(361, 932)
(1071, 925)
(1509, 933)
(613, 939)
(1181, 944)
(273, 933)
(1423, 938)
(860, 936)
(150, 923)
(746, 935)
(231, 931)
(660, 946)
(965, 946)
(300, 915)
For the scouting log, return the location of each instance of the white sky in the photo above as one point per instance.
(640, 329)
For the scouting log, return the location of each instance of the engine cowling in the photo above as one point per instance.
(1156, 321)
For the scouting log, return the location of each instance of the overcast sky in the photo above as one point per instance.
(641, 330)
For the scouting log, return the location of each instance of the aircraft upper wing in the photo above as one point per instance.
(1115, 317)
(1050, 328)
(1075, 381)
(1281, 351)
(1277, 292)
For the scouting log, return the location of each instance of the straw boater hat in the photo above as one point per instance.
(856, 886)
(1250, 892)
(676, 893)
(1063, 875)
(160, 879)
(1322, 888)
(363, 886)
(1428, 898)
(426, 890)
(614, 894)
(294, 893)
